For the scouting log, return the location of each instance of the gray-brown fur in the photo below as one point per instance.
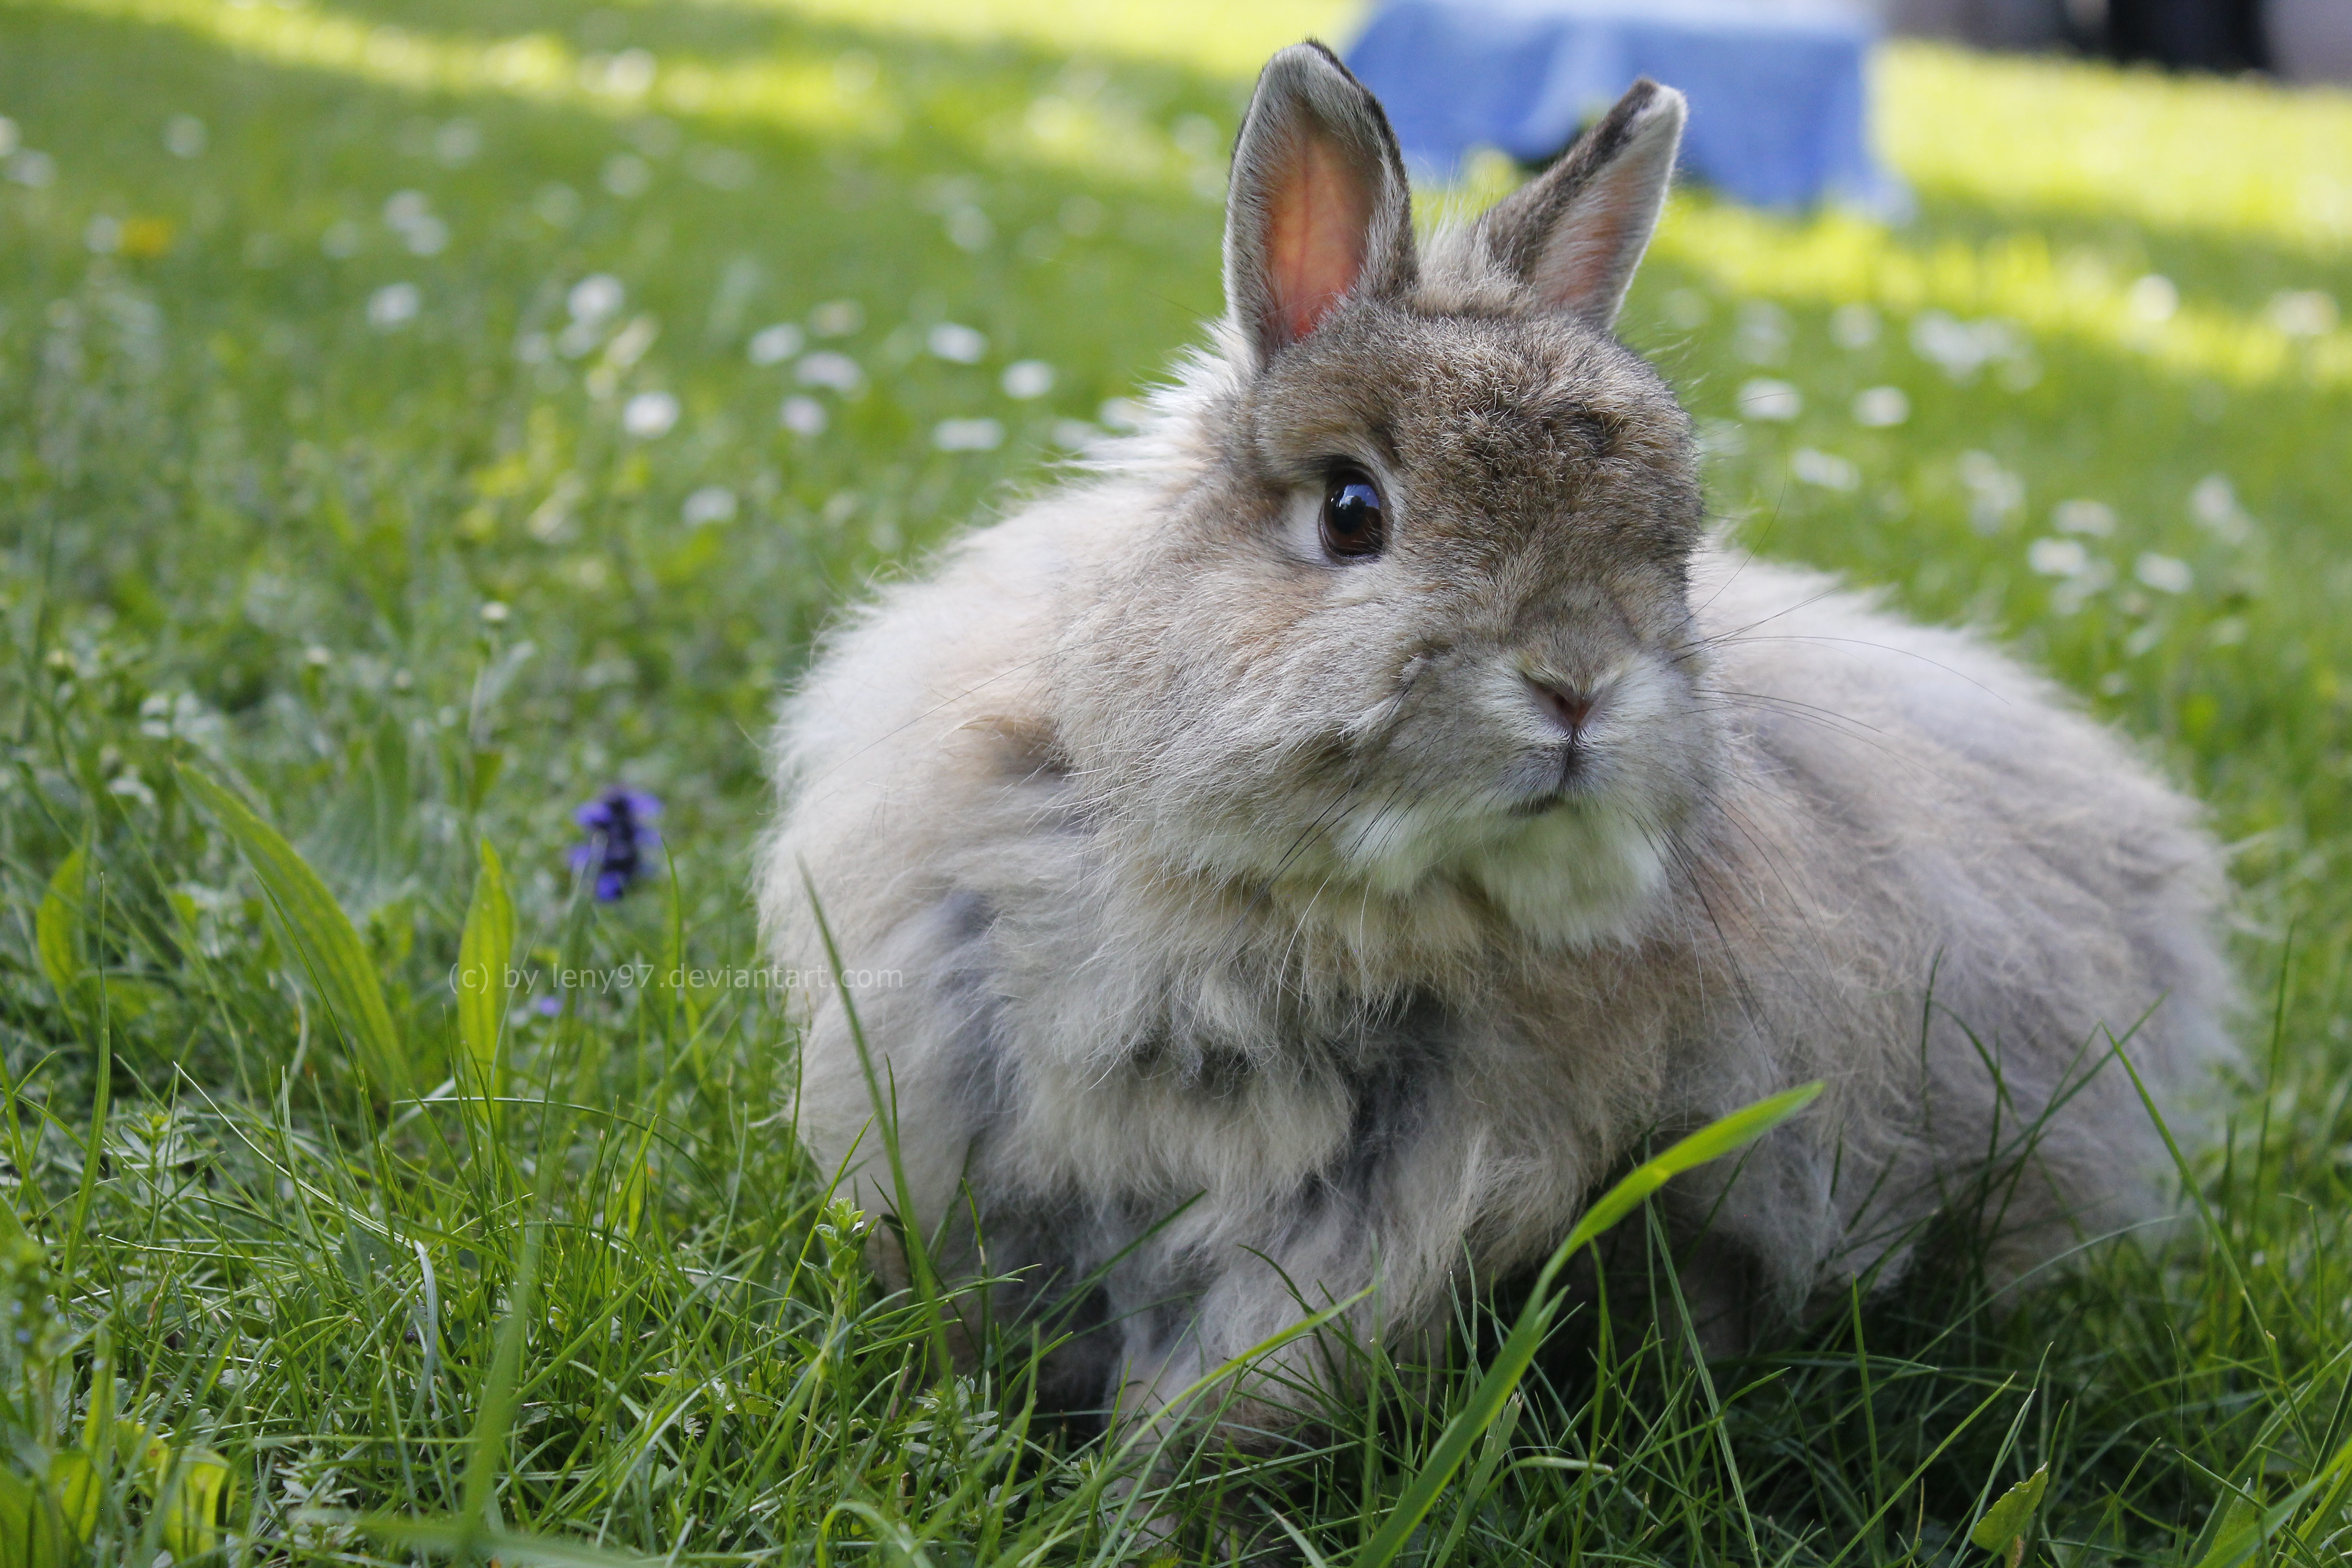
(1261, 899)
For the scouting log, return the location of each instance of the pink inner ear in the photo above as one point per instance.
(1586, 254)
(1579, 263)
(1321, 216)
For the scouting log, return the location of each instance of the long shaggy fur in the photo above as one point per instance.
(1259, 935)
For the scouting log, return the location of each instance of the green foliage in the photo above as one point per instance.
(333, 956)
(412, 411)
(55, 1507)
(1487, 1401)
(2002, 1528)
(485, 952)
(56, 930)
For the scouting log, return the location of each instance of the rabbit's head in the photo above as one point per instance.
(1408, 606)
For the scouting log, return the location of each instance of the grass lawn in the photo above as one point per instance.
(426, 414)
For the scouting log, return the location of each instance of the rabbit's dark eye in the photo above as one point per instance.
(1355, 522)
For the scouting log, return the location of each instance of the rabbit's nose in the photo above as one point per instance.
(1570, 707)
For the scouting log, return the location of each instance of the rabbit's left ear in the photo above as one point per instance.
(1574, 234)
(1319, 207)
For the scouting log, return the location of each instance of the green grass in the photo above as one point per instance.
(412, 583)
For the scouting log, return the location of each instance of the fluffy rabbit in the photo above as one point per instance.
(1305, 856)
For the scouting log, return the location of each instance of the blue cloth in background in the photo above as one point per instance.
(1776, 91)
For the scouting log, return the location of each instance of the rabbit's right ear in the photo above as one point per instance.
(1574, 234)
(1319, 207)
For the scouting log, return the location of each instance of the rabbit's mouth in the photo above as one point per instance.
(1572, 782)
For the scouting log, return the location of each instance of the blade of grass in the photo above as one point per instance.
(885, 1121)
(1491, 1451)
(483, 951)
(464, 1539)
(1494, 1391)
(330, 947)
(93, 1148)
(56, 928)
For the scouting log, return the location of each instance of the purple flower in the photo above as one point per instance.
(621, 839)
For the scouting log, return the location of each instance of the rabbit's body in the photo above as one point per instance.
(1280, 927)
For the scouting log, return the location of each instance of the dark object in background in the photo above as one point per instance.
(1986, 24)
(2301, 40)
(2184, 34)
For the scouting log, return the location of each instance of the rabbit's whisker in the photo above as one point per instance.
(1728, 640)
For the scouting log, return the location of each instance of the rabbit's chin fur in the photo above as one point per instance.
(1233, 928)
(1577, 872)
(1580, 873)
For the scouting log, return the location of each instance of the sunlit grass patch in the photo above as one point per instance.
(2016, 276)
(2023, 137)
(1228, 37)
(840, 95)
